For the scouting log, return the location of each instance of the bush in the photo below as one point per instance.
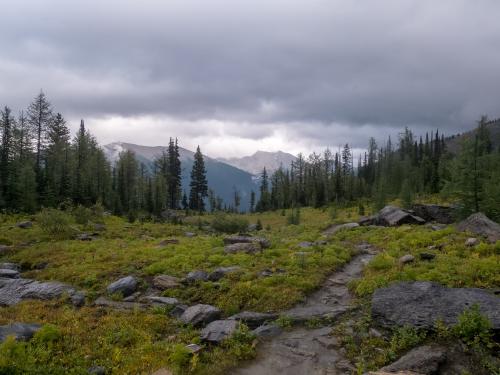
(55, 223)
(472, 327)
(82, 215)
(258, 226)
(229, 224)
(294, 217)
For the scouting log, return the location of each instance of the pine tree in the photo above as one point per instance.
(174, 174)
(252, 201)
(198, 185)
(6, 128)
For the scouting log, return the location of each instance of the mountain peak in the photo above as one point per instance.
(255, 163)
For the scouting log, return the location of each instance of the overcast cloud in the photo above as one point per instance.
(237, 76)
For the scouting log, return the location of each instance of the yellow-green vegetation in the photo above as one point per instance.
(132, 342)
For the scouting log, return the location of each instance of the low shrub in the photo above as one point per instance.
(473, 327)
(55, 223)
(229, 224)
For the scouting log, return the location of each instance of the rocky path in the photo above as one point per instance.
(312, 351)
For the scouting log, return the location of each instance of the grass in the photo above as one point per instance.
(140, 342)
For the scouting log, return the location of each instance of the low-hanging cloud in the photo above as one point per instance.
(263, 74)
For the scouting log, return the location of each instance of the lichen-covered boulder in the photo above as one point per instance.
(126, 286)
(200, 315)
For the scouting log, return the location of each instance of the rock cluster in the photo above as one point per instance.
(480, 225)
(391, 216)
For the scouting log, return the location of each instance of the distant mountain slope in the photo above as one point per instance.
(453, 143)
(255, 163)
(222, 178)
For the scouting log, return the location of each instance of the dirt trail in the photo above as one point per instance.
(301, 351)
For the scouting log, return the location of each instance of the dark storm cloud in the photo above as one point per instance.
(365, 65)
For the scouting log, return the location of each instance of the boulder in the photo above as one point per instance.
(263, 242)
(126, 286)
(10, 266)
(164, 282)
(219, 330)
(189, 234)
(423, 360)
(178, 310)
(332, 230)
(167, 301)
(253, 319)
(86, 236)
(391, 216)
(471, 242)
(24, 224)
(20, 331)
(9, 274)
(244, 247)
(220, 272)
(434, 212)
(195, 276)
(78, 299)
(405, 259)
(13, 291)
(200, 315)
(420, 304)
(99, 227)
(193, 348)
(479, 224)
(267, 330)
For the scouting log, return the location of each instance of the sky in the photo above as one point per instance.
(240, 76)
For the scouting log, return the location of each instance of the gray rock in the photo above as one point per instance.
(96, 370)
(253, 319)
(267, 330)
(133, 297)
(479, 224)
(332, 230)
(78, 299)
(427, 256)
(420, 304)
(163, 300)
(126, 286)
(10, 266)
(374, 333)
(24, 224)
(423, 360)
(305, 244)
(405, 259)
(219, 330)
(86, 237)
(164, 282)
(200, 315)
(252, 227)
(4, 249)
(268, 272)
(20, 331)
(195, 276)
(189, 234)
(119, 305)
(220, 272)
(471, 242)
(434, 212)
(178, 310)
(194, 348)
(391, 216)
(244, 247)
(9, 274)
(263, 242)
(13, 291)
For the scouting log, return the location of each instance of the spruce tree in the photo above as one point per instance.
(198, 185)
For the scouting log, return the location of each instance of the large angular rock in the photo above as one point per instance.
(263, 242)
(244, 247)
(253, 319)
(219, 330)
(220, 272)
(10, 266)
(164, 282)
(20, 331)
(420, 304)
(391, 216)
(479, 224)
(126, 286)
(267, 330)
(13, 291)
(423, 360)
(24, 224)
(200, 315)
(434, 212)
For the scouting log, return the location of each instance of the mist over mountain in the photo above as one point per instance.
(255, 163)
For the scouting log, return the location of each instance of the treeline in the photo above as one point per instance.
(415, 166)
(42, 166)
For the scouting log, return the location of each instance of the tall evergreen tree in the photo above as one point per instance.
(198, 185)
